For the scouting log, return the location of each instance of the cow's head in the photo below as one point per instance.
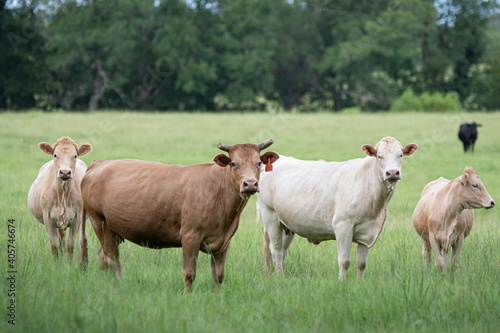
(65, 153)
(244, 160)
(473, 192)
(475, 125)
(389, 157)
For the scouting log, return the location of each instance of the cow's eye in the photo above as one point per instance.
(259, 164)
(55, 155)
(233, 164)
(400, 155)
(380, 156)
(475, 185)
(75, 156)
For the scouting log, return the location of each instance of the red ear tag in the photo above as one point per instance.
(269, 166)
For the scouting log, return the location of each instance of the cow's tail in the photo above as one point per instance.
(267, 252)
(83, 252)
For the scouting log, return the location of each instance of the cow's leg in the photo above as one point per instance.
(267, 252)
(276, 247)
(97, 223)
(287, 240)
(361, 259)
(53, 233)
(83, 249)
(218, 262)
(103, 265)
(437, 252)
(466, 146)
(110, 250)
(456, 248)
(73, 233)
(62, 240)
(426, 252)
(190, 250)
(274, 231)
(343, 234)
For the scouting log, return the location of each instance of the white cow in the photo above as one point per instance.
(444, 215)
(346, 201)
(55, 197)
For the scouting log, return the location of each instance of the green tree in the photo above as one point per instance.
(459, 44)
(376, 50)
(81, 52)
(22, 69)
(179, 54)
(140, 82)
(248, 45)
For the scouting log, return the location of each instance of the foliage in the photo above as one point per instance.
(352, 110)
(22, 67)
(485, 84)
(436, 102)
(397, 295)
(191, 55)
(408, 102)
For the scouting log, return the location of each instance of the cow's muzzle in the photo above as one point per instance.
(491, 205)
(249, 186)
(392, 175)
(65, 174)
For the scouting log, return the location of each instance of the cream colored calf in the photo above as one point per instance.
(443, 216)
(55, 197)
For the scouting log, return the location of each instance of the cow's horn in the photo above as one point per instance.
(265, 144)
(223, 146)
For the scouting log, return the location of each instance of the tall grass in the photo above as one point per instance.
(397, 294)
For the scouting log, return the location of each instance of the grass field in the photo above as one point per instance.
(397, 294)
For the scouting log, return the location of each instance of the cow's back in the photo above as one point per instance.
(432, 187)
(126, 191)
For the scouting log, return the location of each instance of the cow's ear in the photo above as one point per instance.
(269, 155)
(464, 178)
(222, 160)
(46, 148)
(369, 150)
(409, 149)
(84, 149)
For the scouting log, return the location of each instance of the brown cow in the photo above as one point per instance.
(55, 198)
(443, 216)
(195, 207)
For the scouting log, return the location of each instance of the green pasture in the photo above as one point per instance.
(397, 294)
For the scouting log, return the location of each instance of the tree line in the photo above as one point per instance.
(246, 54)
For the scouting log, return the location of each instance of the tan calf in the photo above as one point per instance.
(55, 197)
(443, 216)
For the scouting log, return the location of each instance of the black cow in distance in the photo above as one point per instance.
(468, 135)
